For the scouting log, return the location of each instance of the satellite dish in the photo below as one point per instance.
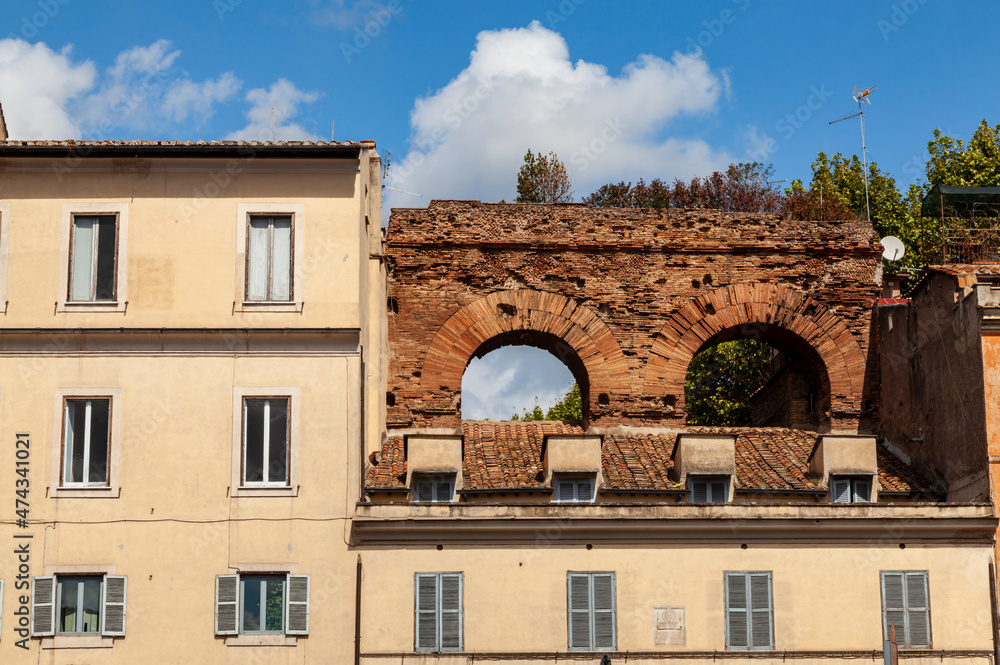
(893, 248)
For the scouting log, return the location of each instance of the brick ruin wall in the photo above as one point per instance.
(625, 297)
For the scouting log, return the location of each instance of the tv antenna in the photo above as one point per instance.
(385, 177)
(862, 98)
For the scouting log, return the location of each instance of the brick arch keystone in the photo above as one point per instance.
(525, 310)
(699, 320)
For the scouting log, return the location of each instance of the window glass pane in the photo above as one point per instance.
(257, 253)
(278, 439)
(251, 604)
(76, 438)
(69, 595)
(253, 441)
(281, 256)
(106, 247)
(82, 258)
(91, 605)
(99, 419)
(275, 603)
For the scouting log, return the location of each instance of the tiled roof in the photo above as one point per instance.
(508, 456)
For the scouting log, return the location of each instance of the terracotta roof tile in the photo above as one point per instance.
(389, 469)
(506, 454)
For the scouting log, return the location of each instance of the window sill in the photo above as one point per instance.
(265, 491)
(91, 306)
(262, 641)
(78, 642)
(269, 306)
(85, 492)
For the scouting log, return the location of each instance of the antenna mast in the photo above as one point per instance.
(860, 98)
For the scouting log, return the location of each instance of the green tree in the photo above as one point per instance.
(977, 164)
(543, 180)
(721, 379)
(569, 407)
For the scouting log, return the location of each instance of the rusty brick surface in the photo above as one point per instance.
(625, 297)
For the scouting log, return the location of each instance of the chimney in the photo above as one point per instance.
(3, 125)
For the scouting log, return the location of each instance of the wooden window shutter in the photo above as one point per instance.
(585, 490)
(451, 612)
(604, 610)
(862, 491)
(719, 494)
(578, 586)
(227, 598)
(737, 629)
(43, 606)
(297, 605)
(426, 605)
(842, 491)
(113, 604)
(564, 490)
(425, 490)
(918, 616)
(893, 606)
(699, 491)
(760, 611)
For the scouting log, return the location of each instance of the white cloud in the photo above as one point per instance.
(510, 380)
(283, 99)
(347, 14)
(521, 91)
(46, 95)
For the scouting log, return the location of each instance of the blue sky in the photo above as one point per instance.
(458, 91)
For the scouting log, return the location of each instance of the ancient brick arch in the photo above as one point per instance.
(773, 313)
(572, 332)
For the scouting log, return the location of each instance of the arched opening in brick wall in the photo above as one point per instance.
(790, 389)
(521, 366)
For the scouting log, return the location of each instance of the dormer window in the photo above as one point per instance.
(433, 489)
(851, 490)
(708, 489)
(575, 489)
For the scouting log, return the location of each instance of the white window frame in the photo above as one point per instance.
(243, 213)
(421, 480)
(903, 633)
(102, 639)
(746, 613)
(84, 208)
(561, 482)
(5, 221)
(238, 488)
(239, 638)
(438, 612)
(852, 495)
(112, 489)
(708, 480)
(590, 612)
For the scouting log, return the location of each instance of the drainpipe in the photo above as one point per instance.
(993, 614)
(357, 615)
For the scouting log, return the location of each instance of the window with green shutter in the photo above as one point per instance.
(591, 605)
(749, 612)
(438, 611)
(906, 604)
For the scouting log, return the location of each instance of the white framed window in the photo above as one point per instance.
(270, 253)
(575, 489)
(708, 489)
(749, 611)
(433, 489)
(94, 254)
(906, 604)
(846, 489)
(78, 605)
(87, 437)
(438, 611)
(261, 604)
(265, 435)
(591, 608)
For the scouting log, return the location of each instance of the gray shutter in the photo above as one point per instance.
(443, 490)
(426, 612)
(297, 605)
(425, 490)
(227, 597)
(760, 611)
(564, 490)
(451, 611)
(719, 494)
(842, 491)
(862, 491)
(918, 616)
(604, 610)
(578, 586)
(699, 491)
(585, 490)
(737, 630)
(43, 606)
(113, 605)
(893, 606)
